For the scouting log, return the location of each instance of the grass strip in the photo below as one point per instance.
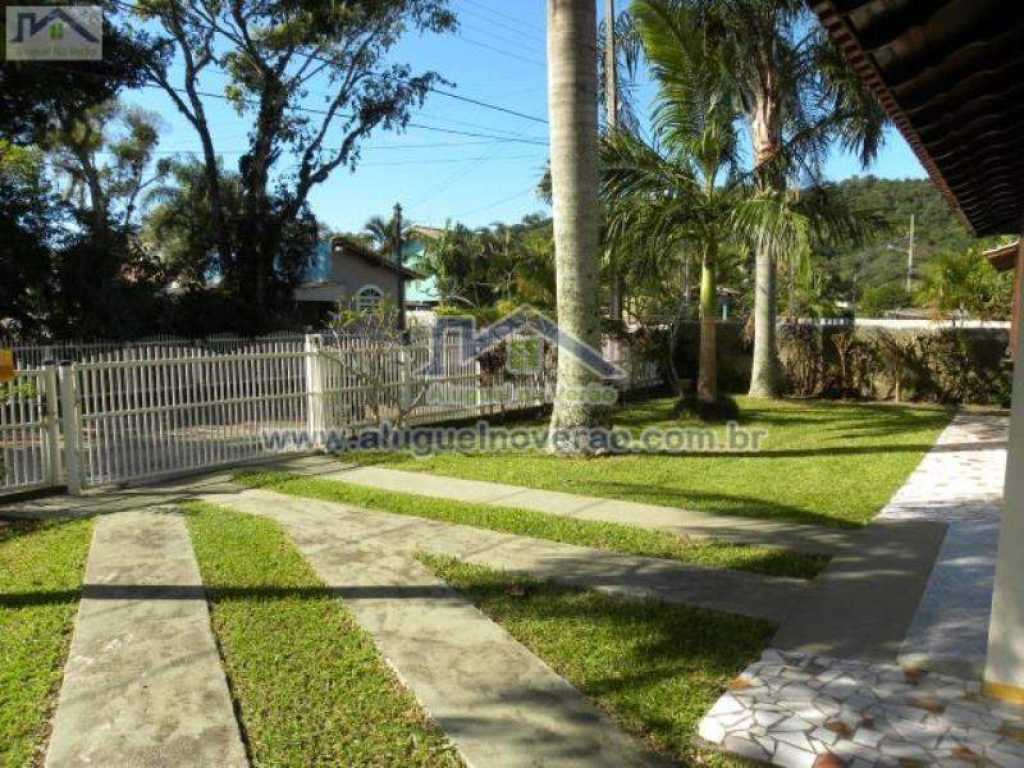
(655, 668)
(308, 682)
(626, 539)
(41, 570)
(820, 462)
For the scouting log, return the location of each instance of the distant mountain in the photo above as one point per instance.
(937, 229)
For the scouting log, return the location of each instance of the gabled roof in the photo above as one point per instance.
(355, 248)
(950, 73)
(1004, 257)
(430, 233)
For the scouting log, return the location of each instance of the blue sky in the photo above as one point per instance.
(498, 57)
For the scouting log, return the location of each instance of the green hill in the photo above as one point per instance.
(937, 229)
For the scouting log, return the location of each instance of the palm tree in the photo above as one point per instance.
(572, 96)
(381, 232)
(679, 192)
(797, 98)
(685, 191)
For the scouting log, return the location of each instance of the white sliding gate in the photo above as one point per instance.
(159, 416)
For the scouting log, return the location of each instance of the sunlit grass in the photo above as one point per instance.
(656, 669)
(821, 462)
(310, 687)
(41, 570)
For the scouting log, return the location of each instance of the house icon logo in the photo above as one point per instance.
(524, 324)
(54, 33)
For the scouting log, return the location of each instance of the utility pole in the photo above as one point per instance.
(400, 267)
(611, 104)
(910, 256)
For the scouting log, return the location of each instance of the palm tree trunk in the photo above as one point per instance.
(764, 372)
(764, 377)
(572, 96)
(707, 377)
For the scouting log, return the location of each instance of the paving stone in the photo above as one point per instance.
(797, 739)
(1002, 758)
(789, 756)
(144, 685)
(747, 748)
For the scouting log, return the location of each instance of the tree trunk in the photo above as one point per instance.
(707, 377)
(572, 96)
(611, 103)
(764, 372)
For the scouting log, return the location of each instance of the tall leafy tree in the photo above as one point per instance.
(572, 96)
(30, 215)
(381, 232)
(105, 155)
(275, 56)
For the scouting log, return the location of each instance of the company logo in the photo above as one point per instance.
(524, 335)
(54, 33)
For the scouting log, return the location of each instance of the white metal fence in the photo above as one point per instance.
(36, 355)
(29, 431)
(145, 412)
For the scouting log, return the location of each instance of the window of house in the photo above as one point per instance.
(368, 298)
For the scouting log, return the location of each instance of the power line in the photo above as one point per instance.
(531, 43)
(506, 17)
(438, 145)
(502, 51)
(421, 126)
(495, 204)
(440, 92)
(532, 36)
(469, 100)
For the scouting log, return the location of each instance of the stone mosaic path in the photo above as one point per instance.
(854, 709)
(497, 702)
(143, 684)
(802, 711)
(960, 484)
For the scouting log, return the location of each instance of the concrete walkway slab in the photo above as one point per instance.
(499, 704)
(684, 522)
(143, 685)
(746, 594)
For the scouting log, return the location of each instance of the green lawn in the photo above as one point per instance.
(310, 687)
(41, 569)
(655, 668)
(618, 538)
(821, 462)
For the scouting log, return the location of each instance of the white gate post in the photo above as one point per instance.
(51, 393)
(72, 427)
(315, 419)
